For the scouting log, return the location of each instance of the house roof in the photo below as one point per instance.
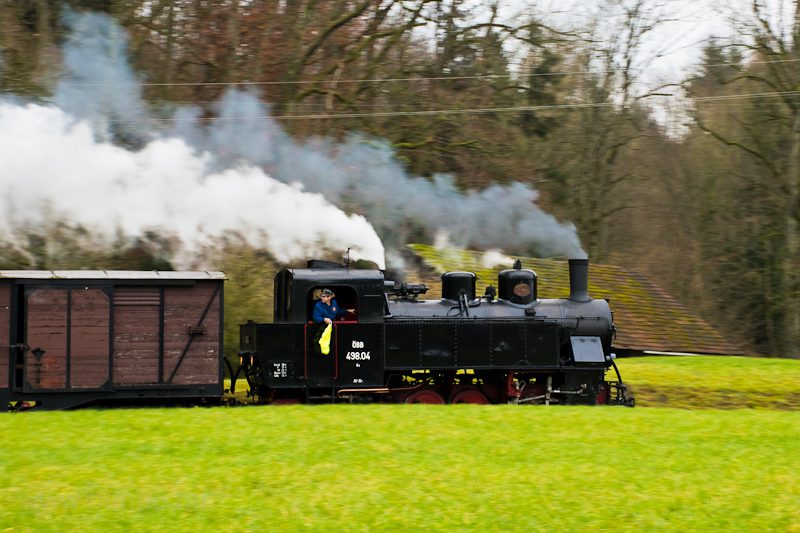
(646, 317)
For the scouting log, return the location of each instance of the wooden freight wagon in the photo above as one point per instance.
(69, 338)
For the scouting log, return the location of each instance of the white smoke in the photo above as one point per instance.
(442, 240)
(493, 258)
(53, 165)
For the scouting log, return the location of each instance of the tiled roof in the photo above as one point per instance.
(646, 317)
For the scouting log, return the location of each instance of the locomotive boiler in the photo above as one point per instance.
(507, 345)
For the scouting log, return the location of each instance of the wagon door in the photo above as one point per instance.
(67, 331)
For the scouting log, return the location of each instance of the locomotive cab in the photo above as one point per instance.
(297, 291)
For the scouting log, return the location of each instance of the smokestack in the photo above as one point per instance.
(579, 280)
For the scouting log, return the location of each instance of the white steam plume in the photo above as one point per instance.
(493, 258)
(53, 164)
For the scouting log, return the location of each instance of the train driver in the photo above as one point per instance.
(326, 310)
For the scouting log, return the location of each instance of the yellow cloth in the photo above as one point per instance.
(325, 340)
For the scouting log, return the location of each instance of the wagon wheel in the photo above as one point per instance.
(426, 396)
(470, 396)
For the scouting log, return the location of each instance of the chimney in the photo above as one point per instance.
(579, 280)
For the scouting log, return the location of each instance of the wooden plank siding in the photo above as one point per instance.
(71, 326)
(47, 331)
(183, 309)
(151, 327)
(137, 319)
(89, 338)
(5, 333)
(138, 334)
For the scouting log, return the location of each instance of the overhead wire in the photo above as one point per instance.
(435, 112)
(455, 111)
(396, 113)
(484, 110)
(347, 81)
(391, 80)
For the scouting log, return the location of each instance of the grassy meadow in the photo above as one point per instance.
(713, 382)
(411, 467)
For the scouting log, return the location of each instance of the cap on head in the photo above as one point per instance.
(327, 292)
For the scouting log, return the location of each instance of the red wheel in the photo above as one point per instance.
(426, 396)
(470, 396)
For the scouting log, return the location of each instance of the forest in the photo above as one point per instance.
(689, 176)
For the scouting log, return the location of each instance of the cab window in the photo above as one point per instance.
(346, 298)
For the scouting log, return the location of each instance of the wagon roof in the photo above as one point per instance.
(646, 317)
(112, 274)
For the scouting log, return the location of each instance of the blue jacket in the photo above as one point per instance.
(322, 311)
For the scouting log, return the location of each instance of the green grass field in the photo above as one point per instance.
(713, 382)
(414, 467)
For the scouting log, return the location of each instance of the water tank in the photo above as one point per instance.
(517, 285)
(454, 282)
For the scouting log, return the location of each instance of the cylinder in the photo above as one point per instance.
(517, 285)
(454, 282)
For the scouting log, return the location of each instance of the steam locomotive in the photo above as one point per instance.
(507, 345)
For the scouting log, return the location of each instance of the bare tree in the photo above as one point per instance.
(607, 121)
(770, 135)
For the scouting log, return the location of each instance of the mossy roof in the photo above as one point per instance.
(646, 317)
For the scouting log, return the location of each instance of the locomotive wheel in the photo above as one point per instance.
(470, 396)
(426, 396)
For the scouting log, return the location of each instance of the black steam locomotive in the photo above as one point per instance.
(505, 346)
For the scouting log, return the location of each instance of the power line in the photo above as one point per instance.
(393, 80)
(741, 96)
(307, 82)
(454, 111)
(385, 113)
(754, 63)
(465, 111)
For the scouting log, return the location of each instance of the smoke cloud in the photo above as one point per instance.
(364, 173)
(242, 173)
(54, 166)
(98, 85)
